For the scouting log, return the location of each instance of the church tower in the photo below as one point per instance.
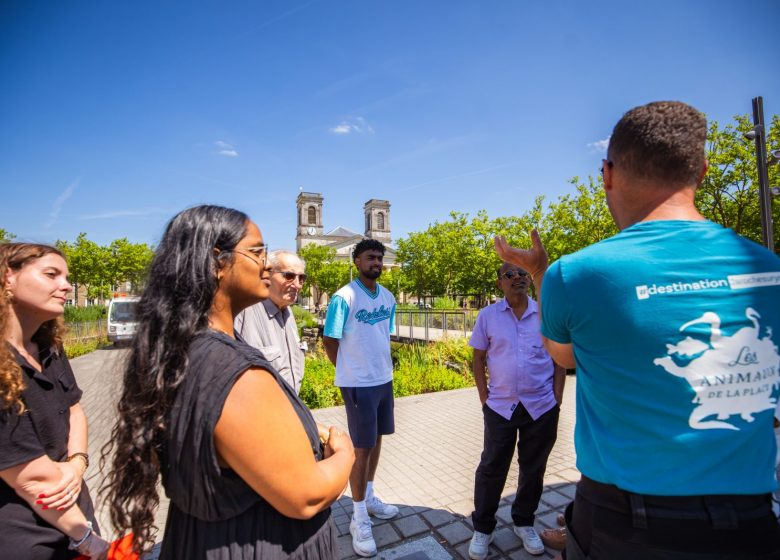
(309, 228)
(377, 214)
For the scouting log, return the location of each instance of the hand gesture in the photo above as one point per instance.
(65, 493)
(533, 260)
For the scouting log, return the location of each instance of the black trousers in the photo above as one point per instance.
(607, 523)
(535, 440)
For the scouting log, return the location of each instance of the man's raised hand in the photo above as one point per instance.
(533, 260)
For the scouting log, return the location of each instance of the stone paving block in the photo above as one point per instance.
(505, 539)
(344, 547)
(555, 499)
(463, 507)
(549, 519)
(569, 491)
(438, 517)
(522, 554)
(572, 475)
(504, 514)
(455, 533)
(403, 511)
(385, 535)
(343, 527)
(409, 526)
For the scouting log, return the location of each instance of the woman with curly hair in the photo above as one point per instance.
(45, 509)
(238, 452)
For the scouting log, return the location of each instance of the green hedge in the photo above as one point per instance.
(79, 348)
(418, 368)
(85, 314)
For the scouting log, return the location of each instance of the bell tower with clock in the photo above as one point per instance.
(309, 228)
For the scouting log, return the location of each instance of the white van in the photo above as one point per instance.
(122, 320)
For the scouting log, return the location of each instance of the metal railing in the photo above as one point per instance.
(433, 324)
(81, 332)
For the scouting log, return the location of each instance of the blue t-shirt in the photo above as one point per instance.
(674, 327)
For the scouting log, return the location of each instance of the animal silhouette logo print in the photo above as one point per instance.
(731, 375)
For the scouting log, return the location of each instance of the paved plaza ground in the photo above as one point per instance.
(427, 468)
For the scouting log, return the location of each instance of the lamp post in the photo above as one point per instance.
(765, 192)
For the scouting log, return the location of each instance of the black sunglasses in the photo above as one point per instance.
(290, 276)
(509, 274)
(609, 164)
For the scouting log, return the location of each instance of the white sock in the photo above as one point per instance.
(369, 489)
(359, 511)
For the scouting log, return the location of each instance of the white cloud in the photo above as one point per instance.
(358, 125)
(57, 206)
(599, 145)
(225, 149)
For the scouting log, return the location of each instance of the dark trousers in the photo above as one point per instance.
(535, 440)
(606, 523)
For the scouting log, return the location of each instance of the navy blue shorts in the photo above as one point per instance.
(369, 413)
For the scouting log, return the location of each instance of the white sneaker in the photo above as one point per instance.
(531, 541)
(478, 549)
(378, 508)
(362, 538)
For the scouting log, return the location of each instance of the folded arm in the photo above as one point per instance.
(33, 478)
(261, 438)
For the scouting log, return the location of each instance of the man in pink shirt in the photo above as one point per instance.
(520, 396)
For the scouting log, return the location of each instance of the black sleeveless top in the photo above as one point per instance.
(213, 514)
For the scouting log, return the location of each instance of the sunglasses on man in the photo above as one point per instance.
(290, 276)
(509, 274)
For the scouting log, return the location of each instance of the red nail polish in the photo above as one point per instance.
(38, 502)
(45, 507)
(41, 495)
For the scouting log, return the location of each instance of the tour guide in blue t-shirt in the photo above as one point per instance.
(673, 325)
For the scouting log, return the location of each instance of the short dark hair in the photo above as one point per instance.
(662, 141)
(367, 245)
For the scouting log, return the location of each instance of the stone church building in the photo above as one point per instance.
(310, 229)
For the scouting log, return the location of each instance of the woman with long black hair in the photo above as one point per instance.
(238, 452)
(45, 509)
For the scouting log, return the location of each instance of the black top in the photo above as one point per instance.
(42, 429)
(213, 514)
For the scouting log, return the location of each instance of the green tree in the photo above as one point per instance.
(729, 193)
(128, 262)
(88, 265)
(324, 273)
(577, 220)
(6, 236)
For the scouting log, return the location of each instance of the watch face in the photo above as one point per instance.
(312, 230)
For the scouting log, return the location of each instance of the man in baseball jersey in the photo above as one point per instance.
(360, 318)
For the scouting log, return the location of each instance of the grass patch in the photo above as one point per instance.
(417, 369)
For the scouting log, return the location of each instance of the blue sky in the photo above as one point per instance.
(116, 115)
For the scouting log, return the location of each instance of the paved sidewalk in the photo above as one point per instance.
(427, 468)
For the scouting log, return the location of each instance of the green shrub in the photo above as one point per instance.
(418, 368)
(303, 318)
(79, 348)
(445, 302)
(85, 314)
(317, 388)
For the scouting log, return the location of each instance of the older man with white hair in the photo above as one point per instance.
(270, 325)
